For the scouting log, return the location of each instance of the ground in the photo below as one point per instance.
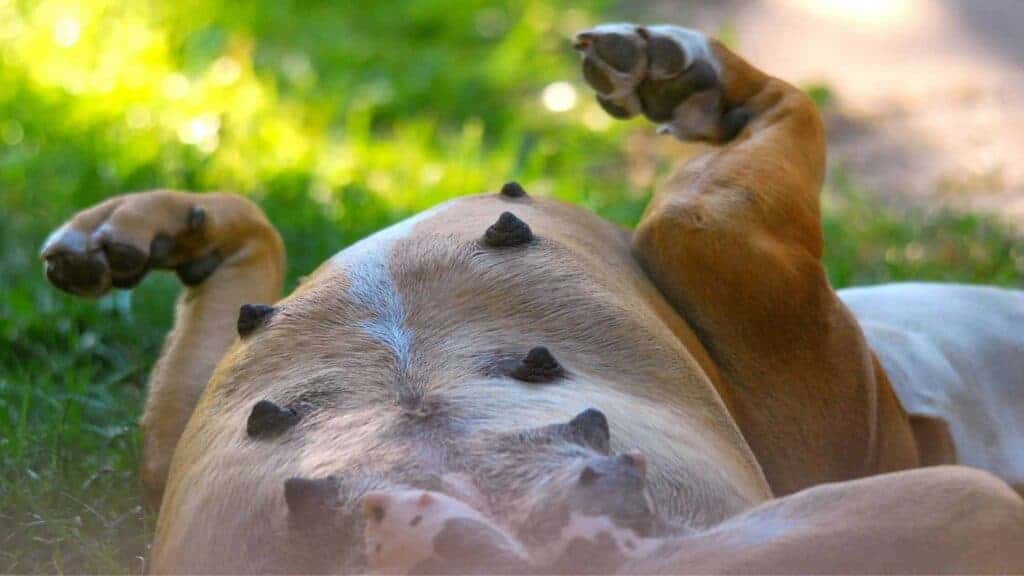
(337, 121)
(928, 95)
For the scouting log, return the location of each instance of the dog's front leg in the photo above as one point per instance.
(226, 254)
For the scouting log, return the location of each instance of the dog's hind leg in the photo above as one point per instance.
(226, 254)
(944, 519)
(734, 241)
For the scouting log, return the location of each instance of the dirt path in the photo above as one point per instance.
(929, 93)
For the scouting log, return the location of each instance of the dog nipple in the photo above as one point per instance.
(590, 428)
(513, 190)
(538, 366)
(310, 499)
(268, 418)
(252, 316)
(508, 231)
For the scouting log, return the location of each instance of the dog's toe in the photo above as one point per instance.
(614, 63)
(73, 267)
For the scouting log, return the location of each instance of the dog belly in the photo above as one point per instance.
(697, 477)
(406, 347)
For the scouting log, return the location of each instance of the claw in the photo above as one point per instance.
(582, 41)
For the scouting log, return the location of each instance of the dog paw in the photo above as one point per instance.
(669, 74)
(116, 243)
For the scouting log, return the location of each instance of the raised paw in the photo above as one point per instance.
(669, 74)
(116, 243)
(424, 532)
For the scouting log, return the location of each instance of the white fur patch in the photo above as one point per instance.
(367, 264)
(624, 28)
(589, 528)
(394, 545)
(956, 352)
(404, 537)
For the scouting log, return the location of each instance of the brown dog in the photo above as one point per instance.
(710, 337)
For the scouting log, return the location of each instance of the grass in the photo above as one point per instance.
(338, 120)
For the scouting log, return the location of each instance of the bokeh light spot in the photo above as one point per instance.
(67, 31)
(202, 132)
(138, 118)
(226, 71)
(176, 86)
(559, 97)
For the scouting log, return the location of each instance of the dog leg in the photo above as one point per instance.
(734, 241)
(945, 519)
(225, 252)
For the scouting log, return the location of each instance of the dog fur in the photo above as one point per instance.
(710, 337)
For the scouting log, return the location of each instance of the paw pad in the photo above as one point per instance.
(665, 56)
(667, 73)
(614, 59)
(660, 97)
(195, 272)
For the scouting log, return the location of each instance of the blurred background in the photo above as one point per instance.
(341, 117)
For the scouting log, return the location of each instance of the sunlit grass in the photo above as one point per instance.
(248, 109)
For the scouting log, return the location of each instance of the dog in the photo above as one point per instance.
(782, 424)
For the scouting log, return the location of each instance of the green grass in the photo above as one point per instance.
(338, 120)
